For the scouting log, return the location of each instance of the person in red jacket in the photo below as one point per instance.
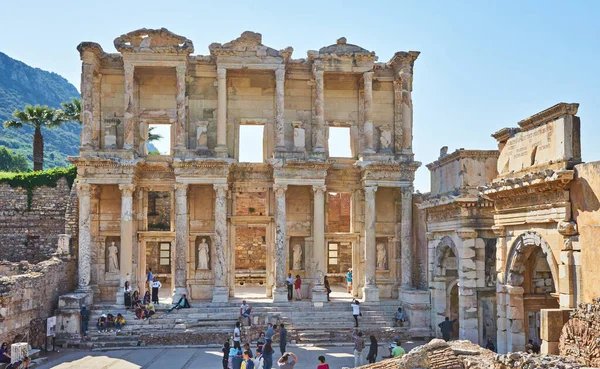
(297, 284)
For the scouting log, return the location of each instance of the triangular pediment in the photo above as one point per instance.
(153, 41)
(248, 44)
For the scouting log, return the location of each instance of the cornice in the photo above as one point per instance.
(548, 115)
(463, 154)
(542, 181)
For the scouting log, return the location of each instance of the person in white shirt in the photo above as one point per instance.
(246, 312)
(155, 286)
(290, 286)
(355, 311)
(237, 335)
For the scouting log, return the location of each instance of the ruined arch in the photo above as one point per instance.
(521, 249)
(441, 252)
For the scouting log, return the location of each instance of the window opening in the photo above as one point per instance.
(165, 254)
(251, 144)
(159, 139)
(339, 142)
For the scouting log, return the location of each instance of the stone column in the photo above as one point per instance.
(406, 253)
(370, 291)
(180, 128)
(320, 110)
(407, 107)
(319, 293)
(398, 138)
(279, 109)
(181, 240)
(130, 104)
(280, 291)
(84, 253)
(126, 250)
(96, 111)
(221, 111)
(220, 290)
(87, 105)
(368, 112)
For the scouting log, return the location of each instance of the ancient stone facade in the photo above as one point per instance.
(291, 199)
(461, 245)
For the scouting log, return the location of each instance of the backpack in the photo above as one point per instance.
(258, 363)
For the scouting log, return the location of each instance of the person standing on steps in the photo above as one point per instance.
(127, 291)
(270, 333)
(372, 355)
(85, 318)
(297, 285)
(225, 350)
(282, 338)
(289, 281)
(359, 345)
(355, 311)
(149, 279)
(155, 286)
(349, 280)
(237, 335)
(327, 287)
(447, 328)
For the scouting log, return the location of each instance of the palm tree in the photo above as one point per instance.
(37, 117)
(153, 136)
(71, 111)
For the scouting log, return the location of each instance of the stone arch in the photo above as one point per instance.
(441, 252)
(521, 249)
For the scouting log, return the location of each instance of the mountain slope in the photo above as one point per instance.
(20, 85)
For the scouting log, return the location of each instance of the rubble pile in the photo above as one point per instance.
(523, 360)
(580, 337)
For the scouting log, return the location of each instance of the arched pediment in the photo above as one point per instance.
(442, 251)
(153, 41)
(341, 47)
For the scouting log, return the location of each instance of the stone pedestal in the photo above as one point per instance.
(220, 294)
(551, 325)
(371, 293)
(416, 305)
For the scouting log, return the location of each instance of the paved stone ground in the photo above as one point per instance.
(191, 358)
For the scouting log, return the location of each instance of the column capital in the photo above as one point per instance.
(181, 69)
(128, 67)
(221, 73)
(83, 189)
(499, 231)
(466, 233)
(280, 74)
(319, 189)
(126, 189)
(280, 189)
(221, 188)
(181, 188)
(319, 73)
(370, 190)
(95, 192)
(368, 76)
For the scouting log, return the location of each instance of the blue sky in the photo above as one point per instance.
(484, 65)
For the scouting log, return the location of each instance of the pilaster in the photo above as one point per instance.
(180, 128)
(279, 109)
(220, 290)
(319, 145)
(280, 291)
(130, 106)
(181, 240)
(319, 293)
(368, 112)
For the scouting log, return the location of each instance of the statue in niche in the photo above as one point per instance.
(381, 257)
(113, 258)
(297, 257)
(203, 255)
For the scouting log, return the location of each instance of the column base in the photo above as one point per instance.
(221, 151)
(319, 294)
(220, 294)
(120, 296)
(371, 294)
(179, 292)
(280, 294)
(85, 294)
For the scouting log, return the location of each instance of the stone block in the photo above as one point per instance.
(516, 326)
(517, 341)
(468, 253)
(549, 348)
(551, 323)
(566, 300)
(513, 312)
(467, 264)
(503, 324)
(479, 243)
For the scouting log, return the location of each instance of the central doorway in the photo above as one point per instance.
(250, 260)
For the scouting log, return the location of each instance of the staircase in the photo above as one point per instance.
(213, 323)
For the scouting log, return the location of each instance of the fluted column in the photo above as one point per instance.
(220, 289)
(370, 291)
(87, 105)
(406, 238)
(181, 240)
(130, 104)
(319, 293)
(368, 111)
(280, 291)
(221, 111)
(180, 128)
(280, 109)
(320, 111)
(126, 250)
(84, 254)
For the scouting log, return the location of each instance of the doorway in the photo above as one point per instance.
(453, 314)
(250, 260)
(159, 257)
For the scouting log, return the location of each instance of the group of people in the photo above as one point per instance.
(237, 358)
(109, 323)
(294, 285)
(5, 358)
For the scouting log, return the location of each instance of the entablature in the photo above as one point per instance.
(546, 180)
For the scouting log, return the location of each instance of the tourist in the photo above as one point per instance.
(155, 286)
(490, 345)
(232, 353)
(260, 342)
(289, 281)
(270, 333)
(249, 363)
(355, 311)
(236, 362)
(285, 363)
(398, 351)
(447, 328)
(282, 338)
(393, 345)
(349, 280)
(226, 348)
(322, 364)
(149, 279)
(297, 285)
(246, 312)
(4, 355)
(399, 317)
(327, 287)
(101, 324)
(20, 364)
(150, 309)
(236, 336)
(147, 298)
(247, 348)
(127, 293)
(359, 345)
(85, 318)
(372, 355)
(183, 303)
(134, 299)
(259, 360)
(119, 322)
(268, 354)
(110, 322)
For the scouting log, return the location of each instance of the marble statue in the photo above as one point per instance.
(381, 257)
(297, 257)
(113, 258)
(203, 257)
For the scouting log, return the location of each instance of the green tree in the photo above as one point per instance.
(37, 117)
(153, 136)
(12, 162)
(71, 111)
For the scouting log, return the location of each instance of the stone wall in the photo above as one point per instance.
(29, 294)
(250, 248)
(338, 212)
(32, 233)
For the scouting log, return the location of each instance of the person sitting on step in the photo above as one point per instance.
(119, 322)
(150, 309)
(246, 312)
(183, 303)
(110, 322)
(101, 324)
(399, 318)
(147, 297)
